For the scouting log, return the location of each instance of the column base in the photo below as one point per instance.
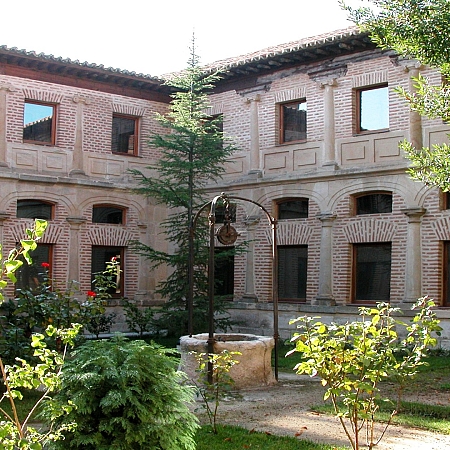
(324, 300)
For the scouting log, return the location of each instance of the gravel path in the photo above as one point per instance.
(284, 409)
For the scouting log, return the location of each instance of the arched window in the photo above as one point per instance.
(34, 209)
(373, 203)
(108, 214)
(292, 208)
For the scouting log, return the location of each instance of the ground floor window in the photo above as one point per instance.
(224, 271)
(372, 272)
(30, 276)
(292, 272)
(100, 256)
(446, 280)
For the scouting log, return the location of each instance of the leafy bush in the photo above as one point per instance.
(127, 395)
(139, 320)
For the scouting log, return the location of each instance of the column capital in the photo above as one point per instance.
(326, 217)
(328, 82)
(75, 222)
(254, 97)
(414, 213)
(82, 100)
(8, 87)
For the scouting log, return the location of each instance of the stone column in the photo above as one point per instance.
(413, 270)
(415, 119)
(74, 247)
(329, 152)
(250, 295)
(78, 160)
(143, 288)
(325, 294)
(255, 163)
(4, 89)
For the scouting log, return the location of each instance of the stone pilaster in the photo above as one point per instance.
(413, 270)
(329, 152)
(74, 247)
(78, 155)
(255, 163)
(325, 294)
(5, 88)
(250, 295)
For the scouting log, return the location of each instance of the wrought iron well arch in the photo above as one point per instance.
(212, 235)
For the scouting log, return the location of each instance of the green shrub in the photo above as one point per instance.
(127, 395)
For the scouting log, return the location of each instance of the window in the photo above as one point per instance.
(39, 122)
(30, 276)
(292, 209)
(293, 121)
(292, 273)
(124, 134)
(372, 109)
(372, 272)
(446, 200)
(100, 256)
(220, 213)
(108, 214)
(376, 203)
(224, 271)
(34, 209)
(446, 281)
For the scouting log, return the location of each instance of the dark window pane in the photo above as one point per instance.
(220, 213)
(34, 209)
(293, 121)
(100, 256)
(293, 209)
(374, 204)
(446, 274)
(373, 272)
(374, 109)
(123, 134)
(107, 214)
(224, 271)
(38, 122)
(29, 276)
(292, 273)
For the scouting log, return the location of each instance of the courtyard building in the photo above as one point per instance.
(317, 123)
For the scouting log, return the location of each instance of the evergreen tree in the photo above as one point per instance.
(193, 153)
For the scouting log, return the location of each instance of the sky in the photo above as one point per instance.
(153, 37)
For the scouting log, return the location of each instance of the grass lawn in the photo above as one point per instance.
(235, 438)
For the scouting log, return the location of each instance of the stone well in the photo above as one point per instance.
(254, 367)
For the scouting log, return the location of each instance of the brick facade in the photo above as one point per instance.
(330, 168)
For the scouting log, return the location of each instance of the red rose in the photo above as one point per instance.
(91, 294)
(45, 265)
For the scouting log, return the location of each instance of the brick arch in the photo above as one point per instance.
(290, 233)
(52, 234)
(369, 230)
(110, 236)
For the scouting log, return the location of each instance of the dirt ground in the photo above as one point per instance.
(284, 409)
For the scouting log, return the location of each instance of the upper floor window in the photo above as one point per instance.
(34, 209)
(124, 134)
(375, 203)
(293, 121)
(446, 200)
(108, 214)
(220, 213)
(39, 122)
(292, 209)
(372, 109)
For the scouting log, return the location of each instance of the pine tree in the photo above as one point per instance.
(193, 153)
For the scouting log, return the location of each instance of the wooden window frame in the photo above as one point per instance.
(358, 92)
(289, 299)
(354, 300)
(281, 130)
(52, 141)
(121, 251)
(52, 208)
(136, 120)
(368, 194)
(107, 205)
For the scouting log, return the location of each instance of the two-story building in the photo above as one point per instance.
(317, 123)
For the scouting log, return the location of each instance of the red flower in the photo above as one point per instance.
(45, 265)
(114, 259)
(91, 294)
